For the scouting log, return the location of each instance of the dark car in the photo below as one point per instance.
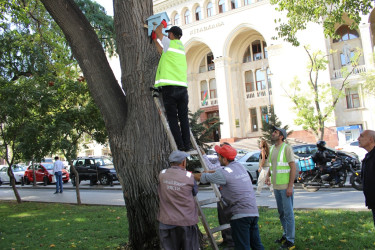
(307, 150)
(94, 169)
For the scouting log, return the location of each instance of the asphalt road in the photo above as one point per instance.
(327, 198)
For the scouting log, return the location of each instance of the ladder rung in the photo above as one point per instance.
(208, 201)
(220, 228)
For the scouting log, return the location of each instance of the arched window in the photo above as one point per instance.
(209, 9)
(176, 20)
(198, 14)
(261, 80)
(204, 93)
(249, 81)
(345, 34)
(187, 17)
(247, 55)
(234, 4)
(257, 50)
(221, 6)
(210, 61)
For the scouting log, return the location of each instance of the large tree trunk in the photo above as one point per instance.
(137, 138)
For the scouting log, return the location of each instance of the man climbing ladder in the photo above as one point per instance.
(171, 77)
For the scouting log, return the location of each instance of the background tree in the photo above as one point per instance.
(315, 105)
(203, 131)
(328, 13)
(46, 101)
(137, 138)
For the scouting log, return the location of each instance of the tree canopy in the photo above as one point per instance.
(329, 13)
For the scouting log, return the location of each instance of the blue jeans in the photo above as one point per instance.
(285, 208)
(245, 233)
(59, 182)
(176, 99)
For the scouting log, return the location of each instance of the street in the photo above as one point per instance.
(327, 198)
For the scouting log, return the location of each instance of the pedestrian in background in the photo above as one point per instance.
(264, 165)
(367, 141)
(57, 169)
(282, 173)
(178, 213)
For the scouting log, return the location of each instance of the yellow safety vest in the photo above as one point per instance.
(172, 68)
(282, 167)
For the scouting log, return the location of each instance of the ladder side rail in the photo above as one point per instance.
(205, 225)
(204, 165)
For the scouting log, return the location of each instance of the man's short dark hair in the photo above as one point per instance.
(56, 157)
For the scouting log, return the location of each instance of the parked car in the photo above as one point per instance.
(306, 150)
(251, 163)
(43, 173)
(18, 171)
(353, 147)
(94, 169)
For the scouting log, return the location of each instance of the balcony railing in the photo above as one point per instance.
(209, 102)
(358, 70)
(258, 94)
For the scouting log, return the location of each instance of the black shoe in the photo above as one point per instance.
(281, 240)
(288, 245)
(61, 192)
(55, 192)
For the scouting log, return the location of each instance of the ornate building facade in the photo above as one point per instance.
(237, 71)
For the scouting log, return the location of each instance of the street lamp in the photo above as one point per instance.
(268, 88)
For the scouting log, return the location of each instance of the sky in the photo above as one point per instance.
(107, 4)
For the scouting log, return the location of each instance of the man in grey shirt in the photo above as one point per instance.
(239, 197)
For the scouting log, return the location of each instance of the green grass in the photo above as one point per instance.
(40, 226)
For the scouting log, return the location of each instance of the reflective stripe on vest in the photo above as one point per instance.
(172, 68)
(282, 167)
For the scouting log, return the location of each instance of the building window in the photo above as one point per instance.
(213, 88)
(346, 58)
(269, 78)
(210, 61)
(187, 17)
(260, 79)
(247, 2)
(176, 20)
(234, 4)
(221, 6)
(345, 34)
(198, 14)
(204, 93)
(352, 98)
(265, 50)
(254, 120)
(257, 50)
(209, 9)
(247, 55)
(249, 81)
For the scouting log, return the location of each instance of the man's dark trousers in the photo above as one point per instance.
(176, 99)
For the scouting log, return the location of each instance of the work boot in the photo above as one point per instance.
(288, 245)
(281, 240)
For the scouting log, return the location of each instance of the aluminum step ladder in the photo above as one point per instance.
(209, 231)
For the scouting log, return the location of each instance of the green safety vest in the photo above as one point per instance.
(172, 68)
(282, 167)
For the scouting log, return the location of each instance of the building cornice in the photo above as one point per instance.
(162, 5)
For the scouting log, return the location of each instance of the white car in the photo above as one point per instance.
(18, 171)
(353, 147)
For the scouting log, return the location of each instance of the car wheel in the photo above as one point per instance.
(104, 179)
(45, 181)
(73, 180)
(27, 181)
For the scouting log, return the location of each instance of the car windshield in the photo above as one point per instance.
(103, 161)
(48, 166)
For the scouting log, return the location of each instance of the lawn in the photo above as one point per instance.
(42, 225)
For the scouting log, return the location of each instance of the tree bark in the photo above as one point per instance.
(137, 138)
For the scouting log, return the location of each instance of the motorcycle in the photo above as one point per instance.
(313, 177)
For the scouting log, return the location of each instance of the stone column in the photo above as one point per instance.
(364, 28)
(223, 94)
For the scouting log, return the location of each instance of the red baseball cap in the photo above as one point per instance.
(226, 151)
